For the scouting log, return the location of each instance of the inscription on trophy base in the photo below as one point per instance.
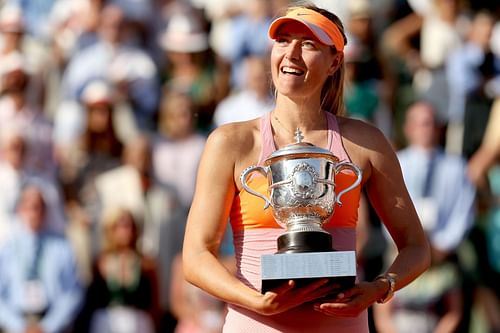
(304, 268)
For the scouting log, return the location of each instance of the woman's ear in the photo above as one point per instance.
(336, 62)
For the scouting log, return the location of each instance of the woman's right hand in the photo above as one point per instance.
(288, 296)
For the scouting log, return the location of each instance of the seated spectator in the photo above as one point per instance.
(190, 64)
(253, 100)
(15, 175)
(488, 153)
(445, 201)
(195, 310)
(431, 175)
(17, 111)
(247, 36)
(151, 202)
(123, 296)
(471, 72)
(15, 40)
(177, 151)
(36, 17)
(39, 286)
(484, 170)
(94, 149)
(432, 303)
(71, 116)
(112, 58)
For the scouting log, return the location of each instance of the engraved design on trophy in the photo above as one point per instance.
(301, 189)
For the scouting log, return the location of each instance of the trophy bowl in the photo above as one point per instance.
(301, 189)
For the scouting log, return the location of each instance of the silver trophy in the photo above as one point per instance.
(302, 195)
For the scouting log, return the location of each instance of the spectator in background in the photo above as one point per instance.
(15, 176)
(151, 202)
(73, 27)
(489, 152)
(484, 171)
(176, 153)
(36, 15)
(361, 92)
(86, 145)
(71, 116)
(141, 193)
(39, 286)
(95, 150)
(196, 310)
(469, 70)
(253, 100)
(14, 40)
(190, 64)
(437, 181)
(441, 32)
(129, 68)
(123, 295)
(418, 46)
(17, 111)
(444, 199)
(177, 150)
(369, 93)
(247, 36)
(432, 303)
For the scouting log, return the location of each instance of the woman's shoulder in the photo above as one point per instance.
(237, 135)
(361, 133)
(365, 144)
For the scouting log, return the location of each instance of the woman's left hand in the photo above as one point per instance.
(351, 302)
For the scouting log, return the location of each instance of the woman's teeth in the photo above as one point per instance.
(293, 71)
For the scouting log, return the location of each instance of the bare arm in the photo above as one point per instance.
(390, 198)
(206, 224)
(207, 220)
(369, 149)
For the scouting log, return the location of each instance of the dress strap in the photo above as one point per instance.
(266, 135)
(335, 144)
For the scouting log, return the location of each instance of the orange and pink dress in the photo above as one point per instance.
(255, 232)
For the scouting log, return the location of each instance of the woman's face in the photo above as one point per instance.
(123, 232)
(300, 64)
(99, 118)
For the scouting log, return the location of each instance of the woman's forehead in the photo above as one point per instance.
(296, 29)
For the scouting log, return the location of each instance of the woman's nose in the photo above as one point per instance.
(294, 50)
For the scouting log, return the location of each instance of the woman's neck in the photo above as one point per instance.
(306, 116)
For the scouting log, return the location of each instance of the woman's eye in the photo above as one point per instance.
(308, 44)
(281, 40)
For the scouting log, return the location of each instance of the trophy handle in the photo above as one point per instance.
(243, 179)
(347, 165)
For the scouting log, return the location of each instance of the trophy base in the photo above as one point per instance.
(338, 266)
(305, 241)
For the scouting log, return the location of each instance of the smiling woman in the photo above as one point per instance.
(307, 66)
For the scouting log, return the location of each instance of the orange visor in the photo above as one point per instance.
(325, 30)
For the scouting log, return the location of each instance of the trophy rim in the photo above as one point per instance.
(298, 155)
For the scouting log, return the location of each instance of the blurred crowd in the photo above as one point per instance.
(105, 106)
